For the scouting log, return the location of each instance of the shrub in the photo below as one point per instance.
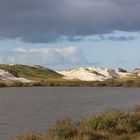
(122, 70)
(17, 84)
(37, 84)
(63, 130)
(13, 73)
(2, 84)
(114, 121)
(123, 122)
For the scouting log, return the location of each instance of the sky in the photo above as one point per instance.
(63, 34)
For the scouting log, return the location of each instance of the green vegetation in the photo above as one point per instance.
(35, 73)
(111, 125)
(73, 83)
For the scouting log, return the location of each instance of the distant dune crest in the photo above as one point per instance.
(36, 73)
(94, 73)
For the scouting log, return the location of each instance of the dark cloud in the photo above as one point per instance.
(120, 38)
(112, 38)
(74, 38)
(49, 20)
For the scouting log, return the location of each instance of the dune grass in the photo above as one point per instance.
(111, 125)
(31, 72)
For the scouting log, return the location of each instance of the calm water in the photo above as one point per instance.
(26, 109)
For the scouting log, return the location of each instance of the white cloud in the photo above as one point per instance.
(46, 56)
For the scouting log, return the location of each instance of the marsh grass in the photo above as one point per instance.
(111, 125)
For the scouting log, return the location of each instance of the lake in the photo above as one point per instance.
(36, 108)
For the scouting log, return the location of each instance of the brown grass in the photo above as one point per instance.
(111, 125)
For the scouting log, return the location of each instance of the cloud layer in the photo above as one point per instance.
(44, 56)
(49, 20)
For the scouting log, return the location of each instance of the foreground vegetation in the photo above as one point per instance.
(111, 125)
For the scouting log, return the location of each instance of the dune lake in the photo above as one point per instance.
(36, 108)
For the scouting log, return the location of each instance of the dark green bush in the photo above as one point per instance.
(122, 70)
(17, 84)
(13, 73)
(2, 84)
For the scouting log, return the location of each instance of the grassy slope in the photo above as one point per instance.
(32, 73)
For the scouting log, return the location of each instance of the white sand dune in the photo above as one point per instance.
(84, 74)
(93, 74)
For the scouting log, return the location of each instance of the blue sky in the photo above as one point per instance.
(95, 52)
(66, 34)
